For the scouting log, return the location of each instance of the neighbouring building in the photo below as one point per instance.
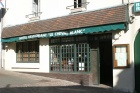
(85, 41)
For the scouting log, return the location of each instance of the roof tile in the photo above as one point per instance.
(92, 18)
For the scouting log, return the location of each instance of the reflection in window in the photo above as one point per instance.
(27, 51)
(70, 57)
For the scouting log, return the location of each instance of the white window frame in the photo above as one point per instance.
(36, 7)
(79, 3)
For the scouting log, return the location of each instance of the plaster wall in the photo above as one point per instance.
(17, 10)
(43, 65)
(124, 78)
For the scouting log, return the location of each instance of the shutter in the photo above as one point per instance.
(38, 5)
(84, 3)
(35, 6)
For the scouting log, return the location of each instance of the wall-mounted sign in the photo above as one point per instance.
(121, 56)
(71, 32)
(53, 34)
(137, 7)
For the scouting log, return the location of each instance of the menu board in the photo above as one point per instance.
(121, 55)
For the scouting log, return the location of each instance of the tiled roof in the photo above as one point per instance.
(93, 18)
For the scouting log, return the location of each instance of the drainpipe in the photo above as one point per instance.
(0, 39)
(2, 13)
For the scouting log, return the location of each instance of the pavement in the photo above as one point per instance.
(16, 82)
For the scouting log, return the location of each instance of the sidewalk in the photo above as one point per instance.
(15, 82)
(16, 79)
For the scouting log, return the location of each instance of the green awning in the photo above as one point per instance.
(71, 32)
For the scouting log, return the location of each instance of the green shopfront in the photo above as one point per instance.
(76, 53)
(71, 32)
(76, 47)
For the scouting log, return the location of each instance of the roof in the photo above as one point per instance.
(93, 18)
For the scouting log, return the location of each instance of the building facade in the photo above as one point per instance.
(83, 41)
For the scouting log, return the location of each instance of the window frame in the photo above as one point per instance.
(77, 3)
(26, 52)
(80, 4)
(116, 56)
(36, 7)
(69, 52)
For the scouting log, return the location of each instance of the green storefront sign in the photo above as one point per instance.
(137, 7)
(71, 32)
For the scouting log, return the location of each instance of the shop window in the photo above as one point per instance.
(27, 51)
(121, 56)
(70, 57)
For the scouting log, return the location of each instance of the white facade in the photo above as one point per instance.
(48, 8)
(16, 14)
(43, 65)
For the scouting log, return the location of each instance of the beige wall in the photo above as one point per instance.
(124, 78)
(10, 56)
(42, 66)
(44, 55)
(49, 9)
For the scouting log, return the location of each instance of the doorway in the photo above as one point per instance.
(137, 62)
(106, 65)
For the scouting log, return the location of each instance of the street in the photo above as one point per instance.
(15, 82)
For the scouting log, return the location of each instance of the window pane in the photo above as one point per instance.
(79, 3)
(19, 51)
(75, 3)
(28, 51)
(55, 58)
(70, 57)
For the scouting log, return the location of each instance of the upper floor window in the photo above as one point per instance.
(36, 7)
(78, 6)
(79, 3)
(27, 52)
(35, 15)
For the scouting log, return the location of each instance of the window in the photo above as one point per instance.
(36, 7)
(27, 51)
(70, 57)
(79, 3)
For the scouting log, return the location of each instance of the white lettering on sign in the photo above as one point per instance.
(36, 36)
(73, 32)
(137, 7)
(80, 31)
(61, 34)
(23, 38)
(50, 34)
